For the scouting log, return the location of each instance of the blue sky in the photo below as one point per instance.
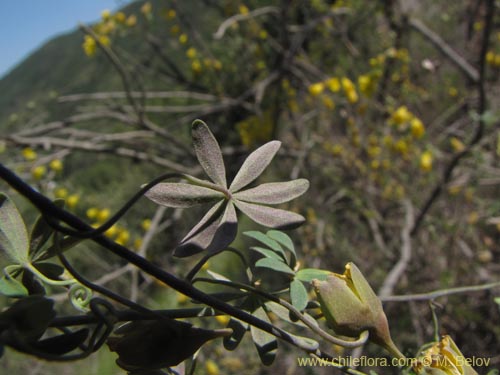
(26, 24)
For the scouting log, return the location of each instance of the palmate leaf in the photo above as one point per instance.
(13, 234)
(254, 165)
(208, 153)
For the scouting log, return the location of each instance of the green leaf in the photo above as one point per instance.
(263, 238)
(298, 294)
(13, 234)
(10, 287)
(282, 238)
(266, 344)
(41, 233)
(309, 274)
(275, 265)
(266, 252)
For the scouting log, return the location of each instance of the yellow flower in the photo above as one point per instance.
(103, 214)
(183, 38)
(243, 9)
(104, 40)
(211, 367)
(457, 144)
(352, 96)
(111, 232)
(38, 172)
(316, 88)
(29, 154)
(401, 115)
(426, 161)
(191, 53)
(89, 45)
(417, 128)
(72, 200)
(123, 237)
(106, 14)
(174, 30)
(56, 165)
(120, 17)
(222, 319)
(196, 66)
(137, 243)
(401, 146)
(333, 84)
(366, 84)
(171, 13)
(263, 34)
(61, 193)
(490, 57)
(453, 92)
(131, 20)
(146, 8)
(146, 224)
(182, 298)
(444, 357)
(92, 213)
(328, 102)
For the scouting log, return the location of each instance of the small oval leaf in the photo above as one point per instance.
(298, 294)
(275, 265)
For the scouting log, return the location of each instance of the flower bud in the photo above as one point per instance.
(350, 307)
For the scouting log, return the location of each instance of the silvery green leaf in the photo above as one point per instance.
(266, 344)
(267, 253)
(282, 239)
(270, 217)
(10, 287)
(200, 236)
(208, 153)
(274, 192)
(266, 240)
(226, 230)
(180, 195)
(213, 233)
(254, 165)
(13, 234)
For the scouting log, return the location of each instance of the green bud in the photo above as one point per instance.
(350, 307)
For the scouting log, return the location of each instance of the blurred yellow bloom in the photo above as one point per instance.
(316, 88)
(352, 96)
(56, 165)
(401, 146)
(105, 14)
(29, 154)
(137, 243)
(120, 17)
(104, 40)
(146, 224)
(222, 319)
(89, 45)
(490, 57)
(217, 65)
(103, 214)
(328, 102)
(205, 266)
(123, 237)
(131, 20)
(333, 84)
(38, 172)
(263, 34)
(196, 66)
(401, 115)
(174, 30)
(171, 13)
(243, 9)
(191, 53)
(453, 92)
(72, 200)
(111, 232)
(183, 38)
(457, 144)
(417, 128)
(347, 84)
(61, 193)
(146, 8)
(182, 298)
(92, 213)
(211, 368)
(426, 161)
